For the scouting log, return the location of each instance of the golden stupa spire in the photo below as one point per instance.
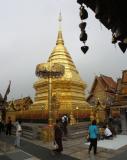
(60, 20)
(70, 87)
(60, 37)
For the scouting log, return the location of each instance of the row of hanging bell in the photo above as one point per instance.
(83, 35)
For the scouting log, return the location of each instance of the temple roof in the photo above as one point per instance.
(19, 104)
(121, 92)
(122, 84)
(108, 9)
(113, 15)
(107, 83)
(1, 98)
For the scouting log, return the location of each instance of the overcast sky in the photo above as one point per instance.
(28, 32)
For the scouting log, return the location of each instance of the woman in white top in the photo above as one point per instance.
(18, 133)
(107, 133)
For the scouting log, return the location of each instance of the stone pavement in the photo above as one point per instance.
(9, 152)
(74, 149)
(116, 143)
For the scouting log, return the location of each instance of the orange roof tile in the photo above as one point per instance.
(109, 82)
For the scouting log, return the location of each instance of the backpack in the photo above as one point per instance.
(65, 120)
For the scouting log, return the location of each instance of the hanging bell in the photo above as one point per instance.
(125, 40)
(119, 33)
(123, 46)
(80, 2)
(114, 40)
(84, 49)
(83, 13)
(82, 26)
(83, 36)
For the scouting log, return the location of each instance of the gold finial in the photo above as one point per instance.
(60, 20)
(60, 17)
(60, 38)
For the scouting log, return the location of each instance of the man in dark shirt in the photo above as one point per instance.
(58, 136)
(8, 126)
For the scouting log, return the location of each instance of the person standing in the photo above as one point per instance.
(58, 136)
(65, 123)
(18, 133)
(0, 126)
(9, 126)
(93, 132)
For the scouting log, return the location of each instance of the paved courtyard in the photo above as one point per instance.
(74, 149)
(117, 142)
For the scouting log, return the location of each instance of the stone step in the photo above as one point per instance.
(27, 132)
(33, 131)
(77, 134)
(78, 130)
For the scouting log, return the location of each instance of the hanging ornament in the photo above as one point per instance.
(83, 13)
(122, 46)
(83, 36)
(84, 49)
(82, 26)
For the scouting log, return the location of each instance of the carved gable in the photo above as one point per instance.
(124, 83)
(124, 78)
(99, 91)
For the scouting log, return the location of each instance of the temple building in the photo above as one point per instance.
(16, 108)
(20, 104)
(1, 100)
(68, 91)
(121, 100)
(102, 95)
(104, 88)
(1, 105)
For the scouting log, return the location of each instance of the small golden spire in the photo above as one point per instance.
(60, 20)
(60, 37)
(60, 17)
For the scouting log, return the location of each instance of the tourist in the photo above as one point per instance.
(58, 136)
(8, 126)
(18, 133)
(107, 132)
(0, 126)
(65, 123)
(93, 133)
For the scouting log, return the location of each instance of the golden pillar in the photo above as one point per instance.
(77, 113)
(97, 117)
(48, 70)
(72, 119)
(96, 110)
(50, 120)
(92, 115)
